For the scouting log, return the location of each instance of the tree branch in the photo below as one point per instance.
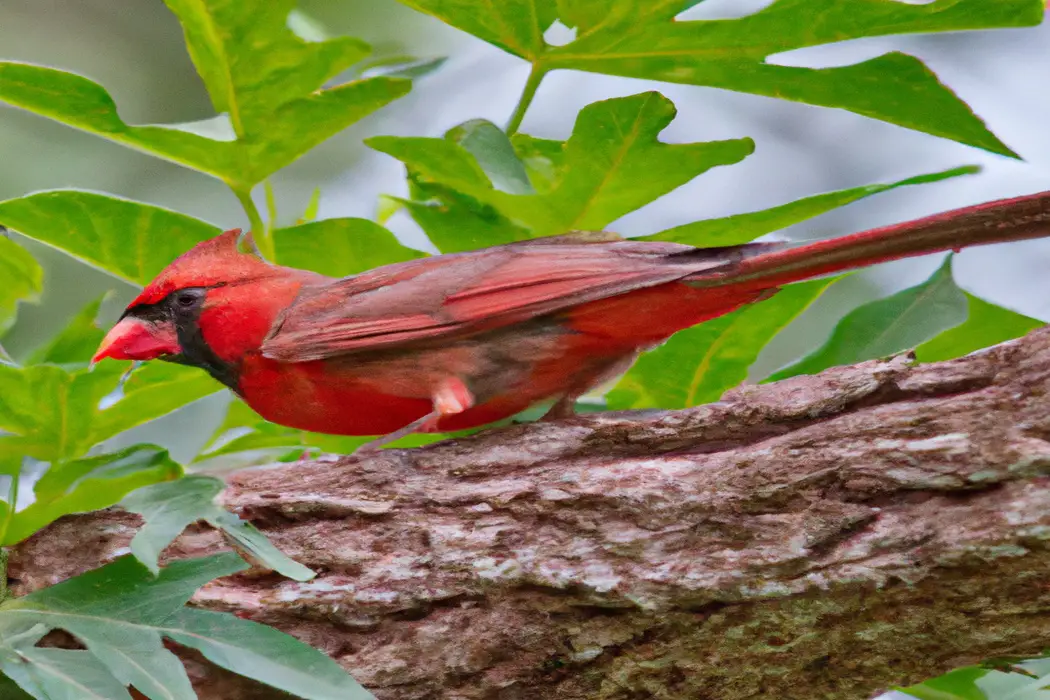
(821, 537)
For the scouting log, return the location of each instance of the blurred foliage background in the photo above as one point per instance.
(136, 50)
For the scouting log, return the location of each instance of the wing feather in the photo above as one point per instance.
(454, 295)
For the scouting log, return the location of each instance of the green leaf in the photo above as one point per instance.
(54, 415)
(76, 343)
(21, 279)
(584, 15)
(84, 104)
(887, 326)
(49, 413)
(494, 153)
(130, 240)
(266, 83)
(153, 390)
(9, 690)
(269, 80)
(124, 590)
(986, 325)
(121, 612)
(456, 223)
(168, 508)
(339, 247)
(64, 674)
(954, 685)
(642, 39)
(516, 26)
(116, 612)
(544, 160)
(741, 228)
(1015, 684)
(699, 364)
(92, 483)
(386, 207)
(263, 653)
(612, 165)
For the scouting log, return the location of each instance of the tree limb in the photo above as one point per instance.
(821, 537)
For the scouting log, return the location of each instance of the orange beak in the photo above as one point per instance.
(135, 339)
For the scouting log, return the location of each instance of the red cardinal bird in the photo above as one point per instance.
(456, 341)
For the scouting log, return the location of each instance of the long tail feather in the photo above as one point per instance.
(1004, 220)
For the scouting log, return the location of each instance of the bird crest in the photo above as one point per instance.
(227, 258)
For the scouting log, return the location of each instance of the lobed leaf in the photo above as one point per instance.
(268, 86)
(114, 611)
(456, 223)
(585, 15)
(121, 612)
(612, 164)
(887, 326)
(642, 39)
(271, 82)
(54, 415)
(168, 508)
(645, 39)
(699, 364)
(516, 26)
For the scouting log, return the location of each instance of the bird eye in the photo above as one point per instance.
(186, 299)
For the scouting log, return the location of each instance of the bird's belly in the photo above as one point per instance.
(308, 396)
(374, 396)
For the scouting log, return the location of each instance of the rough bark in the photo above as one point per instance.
(822, 537)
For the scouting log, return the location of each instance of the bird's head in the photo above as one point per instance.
(203, 309)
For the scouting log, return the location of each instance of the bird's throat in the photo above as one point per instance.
(197, 353)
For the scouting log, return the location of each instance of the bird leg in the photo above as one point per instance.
(450, 397)
(565, 407)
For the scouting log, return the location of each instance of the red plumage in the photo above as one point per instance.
(456, 341)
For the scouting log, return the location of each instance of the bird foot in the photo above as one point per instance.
(451, 397)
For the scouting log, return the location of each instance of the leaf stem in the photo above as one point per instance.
(536, 76)
(259, 231)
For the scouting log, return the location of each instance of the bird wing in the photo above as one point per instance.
(460, 294)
